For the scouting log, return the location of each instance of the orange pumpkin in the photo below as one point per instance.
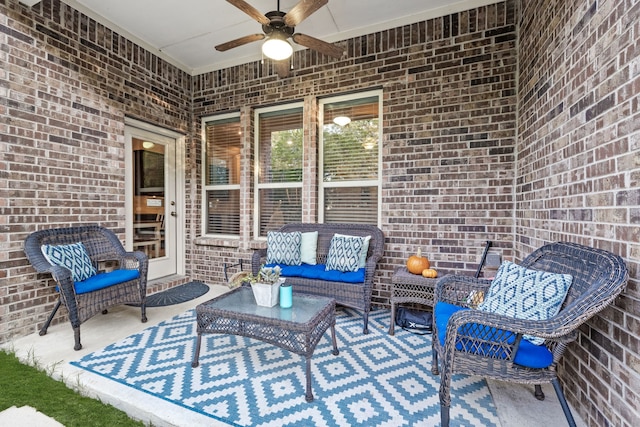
(417, 263)
(429, 273)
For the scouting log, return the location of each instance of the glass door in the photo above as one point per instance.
(152, 209)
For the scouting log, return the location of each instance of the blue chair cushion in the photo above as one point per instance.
(528, 355)
(104, 280)
(319, 271)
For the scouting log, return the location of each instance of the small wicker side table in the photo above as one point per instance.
(409, 288)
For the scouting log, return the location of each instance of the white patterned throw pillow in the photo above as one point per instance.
(284, 248)
(526, 294)
(73, 256)
(363, 252)
(344, 253)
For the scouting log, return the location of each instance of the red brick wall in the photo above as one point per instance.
(578, 176)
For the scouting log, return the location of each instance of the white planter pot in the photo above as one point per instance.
(266, 294)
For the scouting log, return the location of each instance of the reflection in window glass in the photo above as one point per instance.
(350, 161)
(279, 148)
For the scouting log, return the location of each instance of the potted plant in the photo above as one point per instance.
(266, 285)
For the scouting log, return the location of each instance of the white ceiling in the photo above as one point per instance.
(184, 32)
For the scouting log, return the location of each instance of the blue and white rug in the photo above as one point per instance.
(376, 380)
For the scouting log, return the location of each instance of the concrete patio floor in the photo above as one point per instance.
(515, 404)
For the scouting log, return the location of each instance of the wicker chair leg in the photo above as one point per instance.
(76, 336)
(365, 317)
(434, 361)
(143, 309)
(563, 402)
(444, 416)
(538, 393)
(43, 330)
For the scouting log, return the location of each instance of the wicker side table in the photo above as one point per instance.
(409, 288)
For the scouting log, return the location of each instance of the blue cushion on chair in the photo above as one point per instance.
(528, 355)
(104, 280)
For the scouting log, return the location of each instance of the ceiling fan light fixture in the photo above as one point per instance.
(277, 48)
(342, 120)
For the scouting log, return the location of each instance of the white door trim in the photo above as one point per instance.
(180, 185)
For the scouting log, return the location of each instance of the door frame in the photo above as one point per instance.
(180, 196)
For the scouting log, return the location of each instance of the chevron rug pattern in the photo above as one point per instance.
(376, 380)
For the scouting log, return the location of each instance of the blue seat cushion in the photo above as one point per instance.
(104, 280)
(528, 355)
(318, 271)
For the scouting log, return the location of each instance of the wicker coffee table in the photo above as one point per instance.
(297, 329)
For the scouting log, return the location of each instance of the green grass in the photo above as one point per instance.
(22, 385)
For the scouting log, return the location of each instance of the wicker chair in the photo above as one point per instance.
(102, 246)
(474, 342)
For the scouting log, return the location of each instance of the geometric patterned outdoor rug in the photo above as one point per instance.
(376, 380)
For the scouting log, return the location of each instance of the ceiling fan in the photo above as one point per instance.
(279, 26)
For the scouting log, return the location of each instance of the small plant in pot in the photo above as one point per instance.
(266, 285)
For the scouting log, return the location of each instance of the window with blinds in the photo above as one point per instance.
(350, 158)
(279, 148)
(221, 174)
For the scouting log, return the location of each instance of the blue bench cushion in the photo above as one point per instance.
(528, 354)
(104, 280)
(318, 272)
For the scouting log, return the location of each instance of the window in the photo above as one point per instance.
(350, 159)
(222, 143)
(279, 156)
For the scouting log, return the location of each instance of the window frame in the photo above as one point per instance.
(256, 154)
(322, 185)
(213, 187)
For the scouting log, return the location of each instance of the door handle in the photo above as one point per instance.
(174, 214)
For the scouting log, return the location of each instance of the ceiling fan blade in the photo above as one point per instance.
(239, 42)
(302, 10)
(317, 44)
(282, 68)
(251, 11)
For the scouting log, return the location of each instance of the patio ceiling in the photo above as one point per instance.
(185, 32)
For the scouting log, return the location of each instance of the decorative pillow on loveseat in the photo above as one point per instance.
(344, 253)
(526, 294)
(363, 252)
(73, 256)
(284, 248)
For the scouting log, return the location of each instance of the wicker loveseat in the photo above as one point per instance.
(354, 295)
(477, 342)
(126, 284)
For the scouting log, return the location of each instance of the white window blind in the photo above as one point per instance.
(222, 175)
(350, 159)
(279, 154)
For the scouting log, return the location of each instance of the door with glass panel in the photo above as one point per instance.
(152, 202)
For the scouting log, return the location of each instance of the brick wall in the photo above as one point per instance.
(66, 84)
(449, 132)
(579, 176)
(452, 116)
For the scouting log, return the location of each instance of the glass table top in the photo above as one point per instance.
(242, 301)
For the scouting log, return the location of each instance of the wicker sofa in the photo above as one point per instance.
(126, 284)
(354, 295)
